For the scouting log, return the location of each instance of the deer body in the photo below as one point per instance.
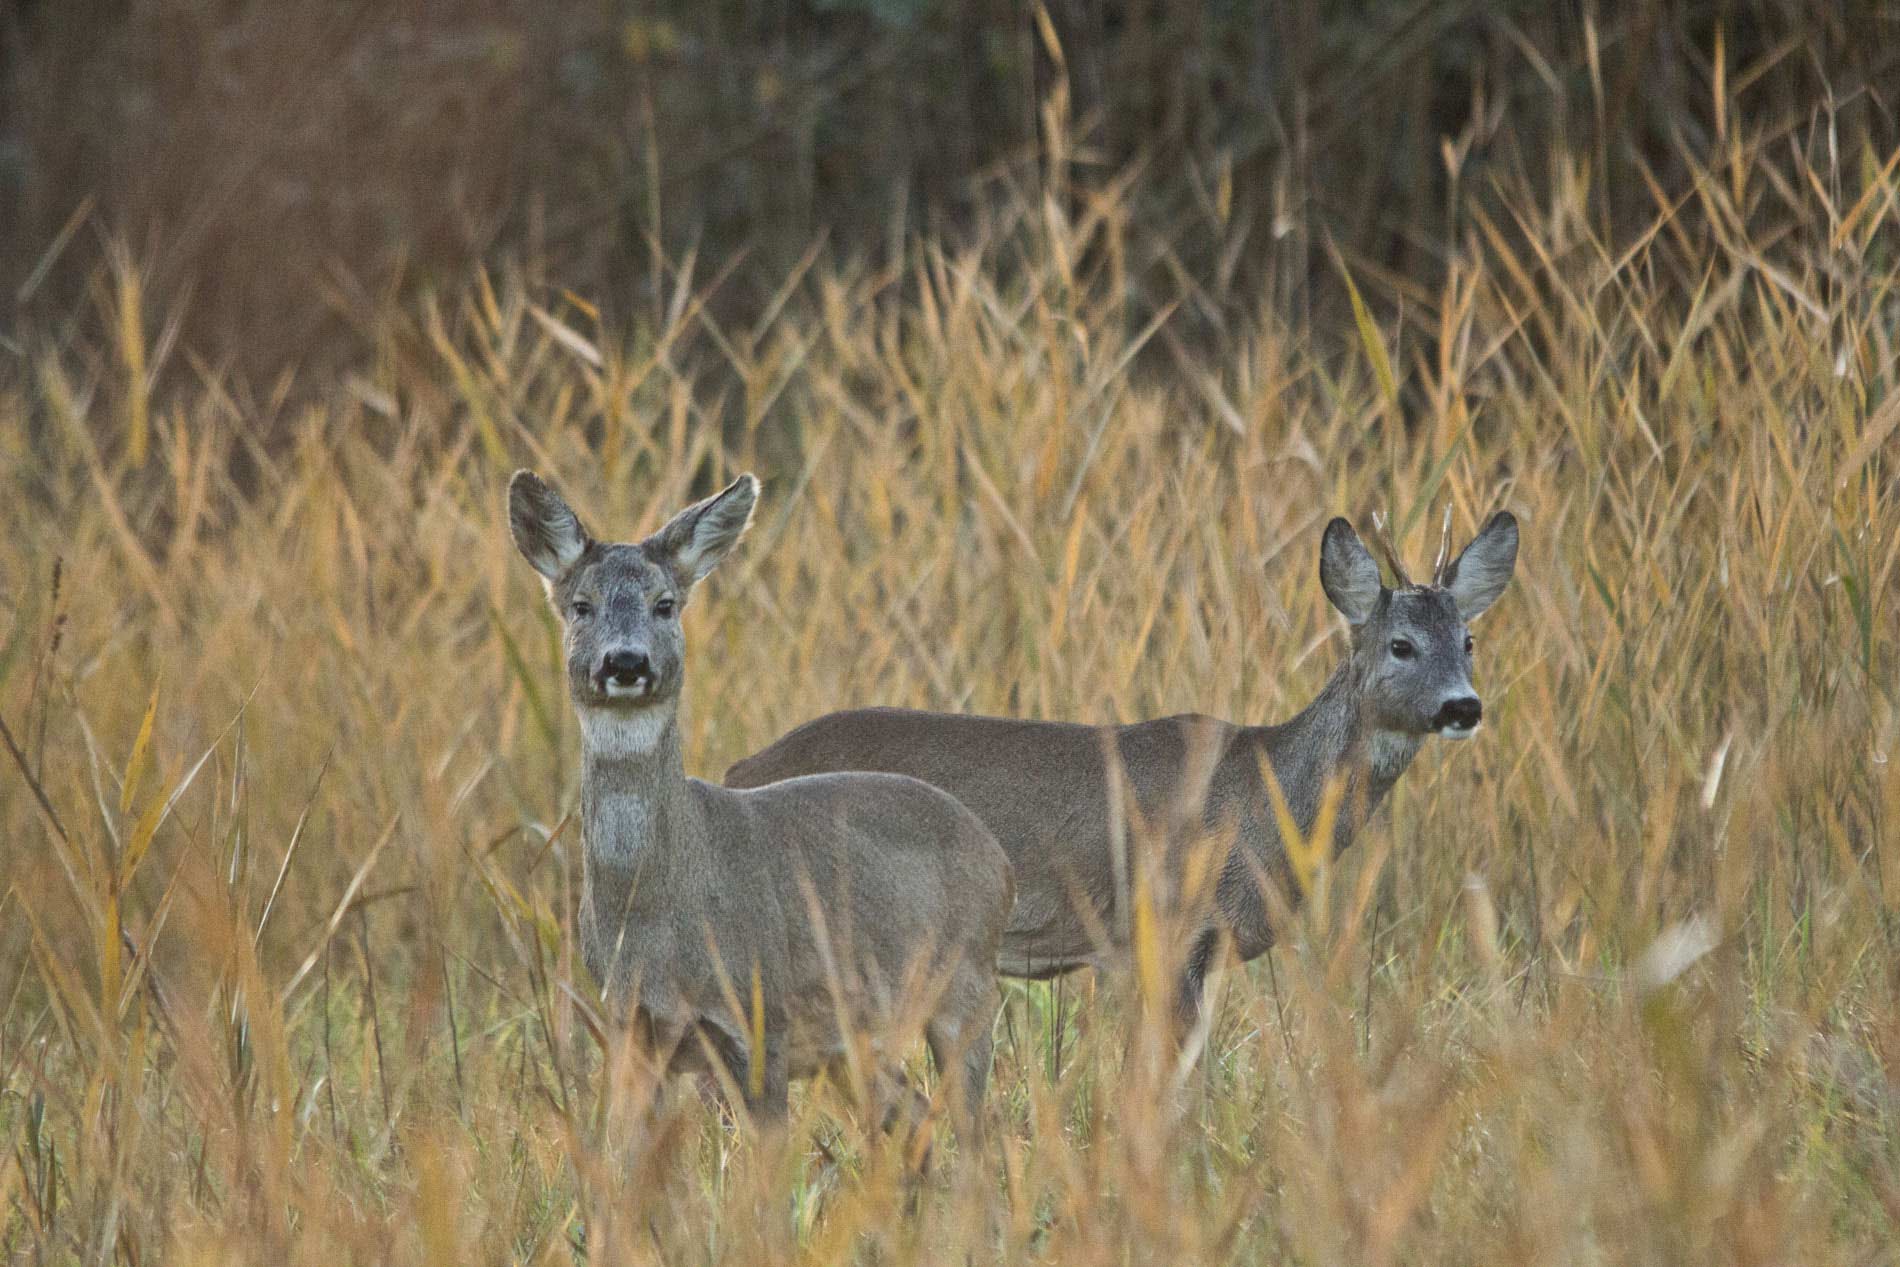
(1044, 789)
(1053, 792)
(808, 912)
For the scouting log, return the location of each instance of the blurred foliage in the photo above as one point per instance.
(291, 164)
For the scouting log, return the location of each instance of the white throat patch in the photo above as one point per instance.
(1388, 752)
(618, 733)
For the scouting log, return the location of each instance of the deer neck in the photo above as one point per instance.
(1332, 738)
(643, 836)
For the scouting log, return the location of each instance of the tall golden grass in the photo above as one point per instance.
(288, 958)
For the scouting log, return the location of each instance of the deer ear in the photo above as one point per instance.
(694, 541)
(1480, 573)
(1347, 573)
(546, 530)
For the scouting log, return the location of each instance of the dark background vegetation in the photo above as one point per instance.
(281, 169)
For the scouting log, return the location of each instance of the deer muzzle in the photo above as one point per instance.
(1458, 717)
(625, 674)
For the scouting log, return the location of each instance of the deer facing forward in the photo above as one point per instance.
(802, 913)
(1059, 796)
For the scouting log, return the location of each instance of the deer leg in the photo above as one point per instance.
(766, 1084)
(762, 1085)
(902, 1101)
(905, 1115)
(1190, 997)
(960, 1041)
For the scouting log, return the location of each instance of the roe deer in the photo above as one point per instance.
(805, 911)
(1052, 792)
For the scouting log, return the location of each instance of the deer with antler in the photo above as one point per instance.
(1060, 796)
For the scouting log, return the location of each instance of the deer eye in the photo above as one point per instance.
(665, 608)
(581, 609)
(1402, 649)
(1469, 644)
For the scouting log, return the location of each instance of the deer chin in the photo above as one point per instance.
(1449, 731)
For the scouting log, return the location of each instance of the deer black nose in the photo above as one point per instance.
(625, 669)
(1462, 713)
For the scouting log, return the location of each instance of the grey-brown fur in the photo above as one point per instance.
(859, 894)
(1047, 791)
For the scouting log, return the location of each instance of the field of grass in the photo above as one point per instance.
(1618, 982)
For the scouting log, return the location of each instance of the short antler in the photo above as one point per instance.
(1383, 539)
(1444, 551)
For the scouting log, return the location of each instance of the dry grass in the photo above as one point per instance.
(295, 716)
